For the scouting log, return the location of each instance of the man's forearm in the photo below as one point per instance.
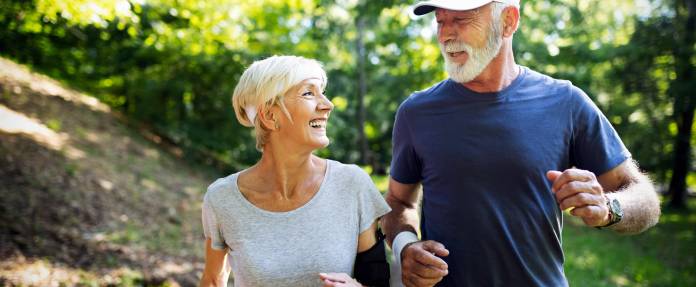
(640, 205)
(403, 217)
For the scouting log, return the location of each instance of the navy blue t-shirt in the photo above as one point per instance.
(482, 159)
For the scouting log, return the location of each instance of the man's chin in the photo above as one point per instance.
(460, 74)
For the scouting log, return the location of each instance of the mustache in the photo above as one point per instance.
(452, 46)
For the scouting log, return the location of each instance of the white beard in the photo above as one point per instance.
(478, 58)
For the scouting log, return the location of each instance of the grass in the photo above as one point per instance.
(54, 124)
(665, 255)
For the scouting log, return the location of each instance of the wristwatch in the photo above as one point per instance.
(615, 211)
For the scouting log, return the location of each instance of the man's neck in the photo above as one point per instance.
(499, 73)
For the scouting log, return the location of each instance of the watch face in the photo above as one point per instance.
(617, 212)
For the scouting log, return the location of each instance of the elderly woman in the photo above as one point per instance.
(293, 217)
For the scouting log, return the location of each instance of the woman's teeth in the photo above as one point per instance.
(317, 123)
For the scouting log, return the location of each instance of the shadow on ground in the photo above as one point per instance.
(85, 199)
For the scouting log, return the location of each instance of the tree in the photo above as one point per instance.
(172, 65)
(682, 89)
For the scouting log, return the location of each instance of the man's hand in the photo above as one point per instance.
(420, 264)
(579, 189)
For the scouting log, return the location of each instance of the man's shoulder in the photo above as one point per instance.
(434, 89)
(536, 77)
(549, 84)
(418, 98)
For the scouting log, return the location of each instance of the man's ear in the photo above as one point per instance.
(511, 20)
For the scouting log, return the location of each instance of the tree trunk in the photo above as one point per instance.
(684, 104)
(362, 90)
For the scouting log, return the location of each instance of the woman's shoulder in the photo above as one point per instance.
(349, 177)
(346, 170)
(355, 185)
(220, 186)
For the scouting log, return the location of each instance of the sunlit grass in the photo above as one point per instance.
(663, 256)
(43, 272)
(598, 258)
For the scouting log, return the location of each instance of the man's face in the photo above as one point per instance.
(468, 41)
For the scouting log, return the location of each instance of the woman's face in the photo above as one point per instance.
(310, 110)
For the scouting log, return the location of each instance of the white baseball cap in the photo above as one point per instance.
(425, 7)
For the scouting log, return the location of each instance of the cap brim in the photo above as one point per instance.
(426, 7)
(420, 10)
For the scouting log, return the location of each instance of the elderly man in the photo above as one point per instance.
(500, 151)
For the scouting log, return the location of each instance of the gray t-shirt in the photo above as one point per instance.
(290, 248)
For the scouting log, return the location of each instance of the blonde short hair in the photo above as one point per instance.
(264, 84)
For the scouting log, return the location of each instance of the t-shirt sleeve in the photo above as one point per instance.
(596, 146)
(405, 165)
(211, 226)
(371, 203)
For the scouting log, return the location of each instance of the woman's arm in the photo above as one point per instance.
(372, 265)
(367, 238)
(216, 271)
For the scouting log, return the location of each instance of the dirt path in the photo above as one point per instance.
(85, 199)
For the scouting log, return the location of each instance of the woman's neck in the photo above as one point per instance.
(285, 173)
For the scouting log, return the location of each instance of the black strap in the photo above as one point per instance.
(371, 266)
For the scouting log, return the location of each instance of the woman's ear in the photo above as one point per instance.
(268, 119)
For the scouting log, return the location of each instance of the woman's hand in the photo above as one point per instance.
(338, 279)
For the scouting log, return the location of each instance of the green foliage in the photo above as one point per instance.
(172, 65)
